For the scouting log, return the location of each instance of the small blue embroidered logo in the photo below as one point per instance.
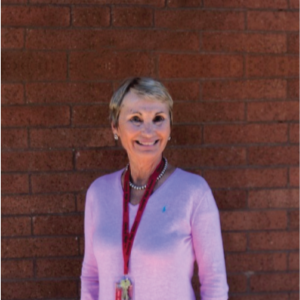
(164, 209)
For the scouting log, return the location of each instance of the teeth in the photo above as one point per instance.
(147, 144)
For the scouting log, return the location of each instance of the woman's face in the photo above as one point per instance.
(144, 126)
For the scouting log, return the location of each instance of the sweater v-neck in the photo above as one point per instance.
(165, 183)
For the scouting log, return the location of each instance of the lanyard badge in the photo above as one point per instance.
(124, 288)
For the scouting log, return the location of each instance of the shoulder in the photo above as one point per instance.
(192, 181)
(197, 190)
(106, 181)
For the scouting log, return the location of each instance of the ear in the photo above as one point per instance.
(113, 128)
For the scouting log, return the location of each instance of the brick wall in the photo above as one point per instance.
(232, 68)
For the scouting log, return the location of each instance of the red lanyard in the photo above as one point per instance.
(127, 238)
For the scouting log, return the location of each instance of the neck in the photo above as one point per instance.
(142, 170)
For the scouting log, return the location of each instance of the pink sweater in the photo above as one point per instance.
(180, 224)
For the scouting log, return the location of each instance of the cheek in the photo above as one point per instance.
(131, 130)
(166, 129)
(128, 132)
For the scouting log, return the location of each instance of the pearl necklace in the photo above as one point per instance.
(136, 187)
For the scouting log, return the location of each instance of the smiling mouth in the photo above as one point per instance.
(147, 144)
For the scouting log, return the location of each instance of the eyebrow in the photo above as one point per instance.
(137, 112)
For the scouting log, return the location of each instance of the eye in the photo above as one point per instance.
(135, 119)
(158, 118)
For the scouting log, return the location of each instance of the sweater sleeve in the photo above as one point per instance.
(208, 246)
(89, 271)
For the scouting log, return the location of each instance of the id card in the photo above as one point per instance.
(124, 289)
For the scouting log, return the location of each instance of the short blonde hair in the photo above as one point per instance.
(144, 86)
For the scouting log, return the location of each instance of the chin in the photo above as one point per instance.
(148, 154)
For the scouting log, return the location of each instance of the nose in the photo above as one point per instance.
(148, 128)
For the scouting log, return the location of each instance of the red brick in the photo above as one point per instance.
(78, 92)
(37, 204)
(11, 269)
(199, 65)
(196, 171)
(294, 295)
(110, 65)
(276, 240)
(26, 66)
(58, 39)
(294, 176)
(63, 182)
(247, 178)
(274, 282)
(272, 66)
(273, 20)
(273, 111)
(293, 89)
(101, 159)
(244, 42)
(14, 1)
(244, 89)
(132, 17)
(151, 39)
(56, 268)
(12, 93)
(58, 225)
(207, 157)
(200, 19)
(12, 38)
(223, 3)
(35, 16)
(265, 296)
(293, 43)
(294, 133)
(248, 133)
(195, 281)
(183, 90)
(81, 246)
(39, 247)
(80, 202)
(39, 289)
(294, 4)
(237, 283)
(277, 4)
(254, 220)
(15, 226)
(208, 112)
(14, 183)
(155, 39)
(91, 16)
(264, 156)
(279, 198)
(234, 241)
(186, 135)
(294, 219)
(293, 261)
(14, 139)
(37, 161)
(184, 3)
(71, 137)
(35, 116)
(90, 115)
(159, 3)
(230, 199)
(256, 262)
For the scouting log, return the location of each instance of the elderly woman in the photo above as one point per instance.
(147, 223)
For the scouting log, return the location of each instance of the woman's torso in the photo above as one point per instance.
(162, 257)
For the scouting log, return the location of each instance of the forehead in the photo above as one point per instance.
(134, 102)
